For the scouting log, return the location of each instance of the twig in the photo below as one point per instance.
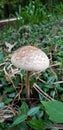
(9, 20)
(42, 92)
(52, 70)
(42, 81)
(2, 64)
(8, 77)
(58, 82)
(55, 65)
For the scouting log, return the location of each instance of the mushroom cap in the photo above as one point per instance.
(30, 58)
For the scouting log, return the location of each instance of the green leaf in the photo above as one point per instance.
(24, 108)
(33, 111)
(36, 124)
(12, 95)
(19, 119)
(2, 55)
(7, 100)
(9, 89)
(54, 128)
(51, 79)
(1, 104)
(22, 126)
(54, 110)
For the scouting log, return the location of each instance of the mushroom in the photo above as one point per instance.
(30, 58)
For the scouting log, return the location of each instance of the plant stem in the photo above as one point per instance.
(28, 84)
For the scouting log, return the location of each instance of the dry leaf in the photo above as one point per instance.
(9, 46)
(5, 113)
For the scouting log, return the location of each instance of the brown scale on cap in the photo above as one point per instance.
(30, 58)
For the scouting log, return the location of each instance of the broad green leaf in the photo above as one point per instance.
(12, 95)
(54, 128)
(24, 108)
(9, 89)
(61, 97)
(36, 124)
(1, 104)
(7, 100)
(58, 87)
(19, 119)
(2, 55)
(33, 111)
(51, 79)
(54, 110)
(23, 126)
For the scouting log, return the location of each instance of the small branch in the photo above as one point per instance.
(9, 20)
(59, 126)
(58, 82)
(52, 70)
(42, 92)
(8, 78)
(41, 80)
(55, 65)
(2, 64)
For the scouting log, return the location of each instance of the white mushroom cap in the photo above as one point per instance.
(30, 58)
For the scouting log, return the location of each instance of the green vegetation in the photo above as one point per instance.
(44, 110)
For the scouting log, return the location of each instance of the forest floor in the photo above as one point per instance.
(48, 36)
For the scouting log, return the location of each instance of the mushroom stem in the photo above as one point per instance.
(28, 84)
